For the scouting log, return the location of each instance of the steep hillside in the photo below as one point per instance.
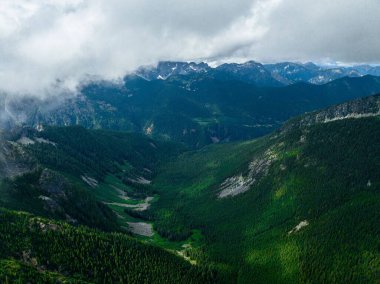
(73, 174)
(36, 250)
(300, 205)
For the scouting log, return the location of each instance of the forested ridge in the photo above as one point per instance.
(47, 251)
(325, 180)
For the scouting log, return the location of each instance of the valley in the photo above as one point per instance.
(291, 196)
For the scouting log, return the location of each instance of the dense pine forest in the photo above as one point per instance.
(40, 250)
(325, 182)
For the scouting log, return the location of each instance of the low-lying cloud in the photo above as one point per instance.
(47, 45)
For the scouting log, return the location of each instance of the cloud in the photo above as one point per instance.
(340, 30)
(50, 44)
(45, 43)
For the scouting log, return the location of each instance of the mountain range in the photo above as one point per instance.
(193, 109)
(199, 176)
(269, 75)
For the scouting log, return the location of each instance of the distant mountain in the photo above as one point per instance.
(290, 73)
(367, 70)
(262, 75)
(196, 110)
(249, 72)
(166, 69)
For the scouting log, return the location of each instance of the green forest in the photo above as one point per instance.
(48, 251)
(310, 212)
(330, 179)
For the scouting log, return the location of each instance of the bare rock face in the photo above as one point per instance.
(53, 184)
(51, 205)
(54, 187)
(300, 226)
(13, 159)
(257, 169)
(366, 107)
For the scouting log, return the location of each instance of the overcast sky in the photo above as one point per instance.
(59, 42)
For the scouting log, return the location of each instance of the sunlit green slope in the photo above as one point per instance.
(301, 205)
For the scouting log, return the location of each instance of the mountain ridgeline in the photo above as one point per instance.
(269, 75)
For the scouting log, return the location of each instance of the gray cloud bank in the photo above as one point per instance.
(50, 44)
